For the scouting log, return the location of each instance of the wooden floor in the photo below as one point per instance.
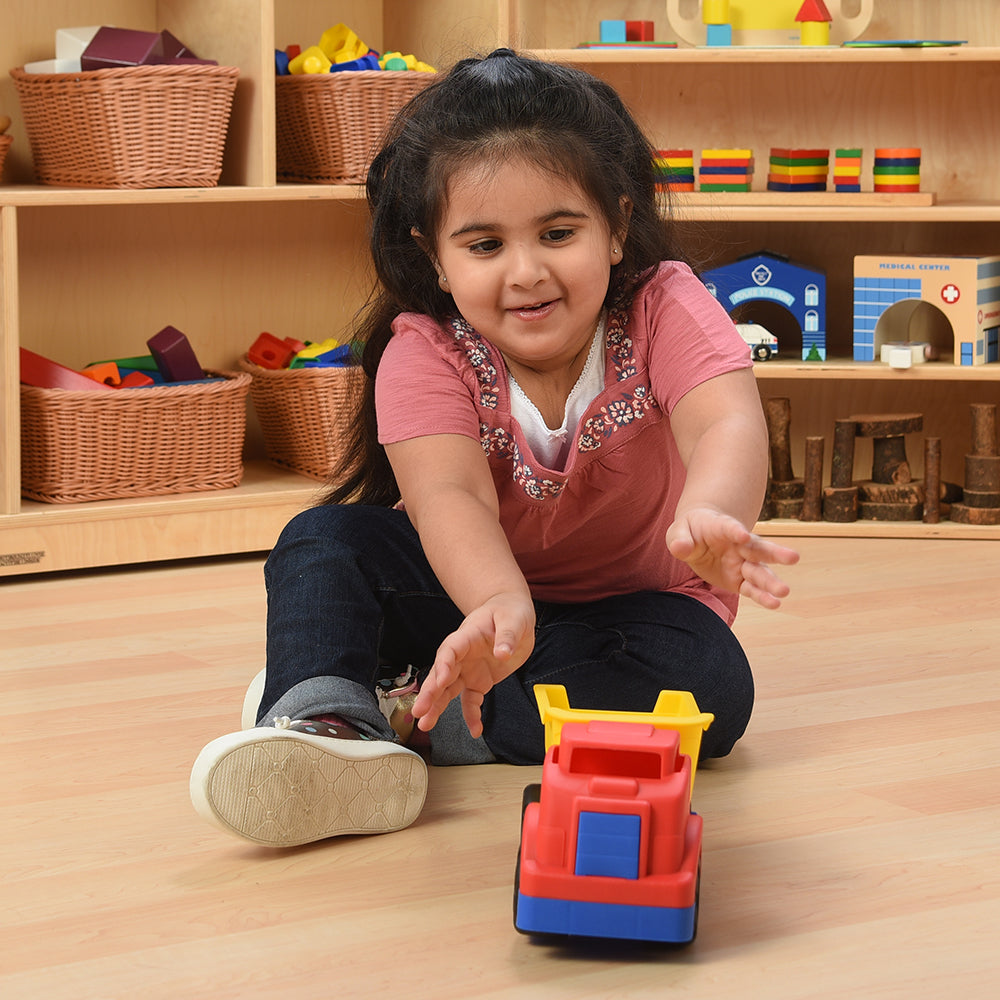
(852, 842)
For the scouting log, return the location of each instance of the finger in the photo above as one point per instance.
(472, 702)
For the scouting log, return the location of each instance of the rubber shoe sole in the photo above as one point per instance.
(281, 788)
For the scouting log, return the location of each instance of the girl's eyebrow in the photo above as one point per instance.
(492, 227)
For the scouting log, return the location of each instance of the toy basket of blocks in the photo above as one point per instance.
(135, 127)
(305, 414)
(79, 445)
(329, 125)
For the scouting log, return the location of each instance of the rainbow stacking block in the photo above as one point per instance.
(897, 171)
(674, 169)
(847, 170)
(798, 169)
(726, 170)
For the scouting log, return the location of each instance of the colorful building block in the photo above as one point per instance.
(312, 60)
(103, 371)
(718, 35)
(269, 352)
(639, 31)
(175, 358)
(122, 47)
(613, 31)
(45, 374)
(798, 169)
(814, 20)
(674, 169)
(715, 11)
(726, 170)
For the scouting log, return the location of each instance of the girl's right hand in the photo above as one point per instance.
(490, 644)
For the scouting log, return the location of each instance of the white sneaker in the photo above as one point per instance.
(302, 781)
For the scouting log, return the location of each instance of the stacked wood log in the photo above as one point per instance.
(981, 495)
(891, 494)
(785, 492)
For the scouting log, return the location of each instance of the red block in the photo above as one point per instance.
(269, 352)
(39, 371)
(639, 31)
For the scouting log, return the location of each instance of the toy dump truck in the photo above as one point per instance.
(609, 845)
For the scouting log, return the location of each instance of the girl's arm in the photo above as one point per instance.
(722, 437)
(447, 487)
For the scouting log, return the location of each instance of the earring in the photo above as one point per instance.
(443, 282)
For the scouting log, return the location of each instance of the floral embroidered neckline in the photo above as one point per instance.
(602, 423)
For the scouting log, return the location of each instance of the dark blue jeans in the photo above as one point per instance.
(349, 589)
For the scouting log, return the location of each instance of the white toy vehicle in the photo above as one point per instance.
(762, 343)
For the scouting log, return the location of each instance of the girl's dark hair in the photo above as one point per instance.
(491, 109)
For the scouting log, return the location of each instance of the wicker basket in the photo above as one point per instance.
(305, 414)
(329, 125)
(140, 127)
(82, 445)
(5, 141)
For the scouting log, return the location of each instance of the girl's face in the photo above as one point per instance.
(527, 257)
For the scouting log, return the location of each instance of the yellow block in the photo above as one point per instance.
(676, 710)
(715, 11)
(312, 60)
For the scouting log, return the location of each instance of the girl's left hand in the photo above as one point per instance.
(724, 553)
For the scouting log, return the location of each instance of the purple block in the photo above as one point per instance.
(117, 47)
(174, 356)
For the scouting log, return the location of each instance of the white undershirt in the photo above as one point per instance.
(552, 447)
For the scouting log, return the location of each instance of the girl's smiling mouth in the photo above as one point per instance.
(536, 311)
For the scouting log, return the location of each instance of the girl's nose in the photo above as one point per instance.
(526, 267)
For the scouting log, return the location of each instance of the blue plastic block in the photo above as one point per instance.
(608, 844)
(719, 34)
(613, 31)
(281, 61)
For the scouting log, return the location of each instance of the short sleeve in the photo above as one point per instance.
(691, 336)
(420, 388)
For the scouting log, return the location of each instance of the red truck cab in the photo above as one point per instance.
(609, 845)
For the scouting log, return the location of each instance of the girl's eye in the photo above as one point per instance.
(558, 235)
(484, 246)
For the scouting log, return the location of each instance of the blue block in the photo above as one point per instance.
(613, 31)
(718, 34)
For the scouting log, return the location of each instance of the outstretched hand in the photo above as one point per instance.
(724, 553)
(490, 644)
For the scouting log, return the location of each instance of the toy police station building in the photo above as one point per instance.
(965, 290)
(772, 278)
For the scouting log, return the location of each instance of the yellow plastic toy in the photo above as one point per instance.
(342, 45)
(676, 710)
(312, 60)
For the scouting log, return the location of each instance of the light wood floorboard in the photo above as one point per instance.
(852, 841)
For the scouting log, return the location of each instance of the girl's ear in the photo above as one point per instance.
(421, 242)
(625, 205)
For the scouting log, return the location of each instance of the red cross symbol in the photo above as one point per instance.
(951, 294)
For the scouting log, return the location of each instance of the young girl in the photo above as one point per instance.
(560, 453)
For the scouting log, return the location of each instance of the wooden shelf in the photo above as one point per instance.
(34, 196)
(843, 370)
(246, 518)
(777, 55)
(789, 528)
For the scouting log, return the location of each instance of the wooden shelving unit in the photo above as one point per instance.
(87, 274)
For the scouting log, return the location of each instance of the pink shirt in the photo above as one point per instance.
(596, 528)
